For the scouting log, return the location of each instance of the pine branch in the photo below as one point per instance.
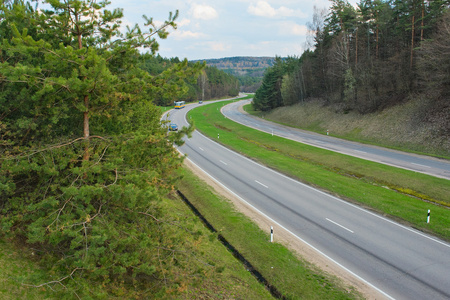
(55, 147)
(59, 281)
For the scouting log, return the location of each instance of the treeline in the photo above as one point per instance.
(212, 83)
(366, 57)
(85, 163)
(240, 62)
(248, 70)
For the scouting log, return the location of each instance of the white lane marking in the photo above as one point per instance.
(224, 163)
(360, 151)
(315, 144)
(421, 165)
(201, 148)
(333, 197)
(339, 225)
(262, 184)
(293, 234)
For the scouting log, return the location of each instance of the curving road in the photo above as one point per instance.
(397, 261)
(418, 163)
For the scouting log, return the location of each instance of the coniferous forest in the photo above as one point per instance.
(367, 58)
(85, 163)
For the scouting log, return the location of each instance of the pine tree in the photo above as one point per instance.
(85, 161)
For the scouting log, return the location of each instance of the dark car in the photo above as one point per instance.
(173, 127)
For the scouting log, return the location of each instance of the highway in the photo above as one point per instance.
(397, 261)
(418, 163)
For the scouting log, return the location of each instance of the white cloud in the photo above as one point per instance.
(203, 12)
(291, 28)
(264, 9)
(183, 22)
(216, 46)
(215, 28)
(186, 34)
(293, 49)
(158, 23)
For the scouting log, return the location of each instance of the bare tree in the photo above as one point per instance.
(434, 58)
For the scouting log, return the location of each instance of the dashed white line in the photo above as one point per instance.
(335, 198)
(296, 236)
(262, 184)
(421, 165)
(201, 148)
(224, 163)
(360, 151)
(339, 225)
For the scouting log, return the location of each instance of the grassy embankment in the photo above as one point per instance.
(403, 127)
(400, 194)
(202, 269)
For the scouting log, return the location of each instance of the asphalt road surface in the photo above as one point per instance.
(419, 163)
(397, 261)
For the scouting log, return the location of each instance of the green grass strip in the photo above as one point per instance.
(355, 135)
(401, 194)
(293, 277)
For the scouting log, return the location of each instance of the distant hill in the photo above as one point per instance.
(241, 64)
(249, 70)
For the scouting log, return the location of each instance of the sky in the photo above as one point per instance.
(227, 28)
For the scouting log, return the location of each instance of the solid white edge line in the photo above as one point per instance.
(293, 234)
(341, 152)
(331, 196)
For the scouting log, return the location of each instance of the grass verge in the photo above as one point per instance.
(15, 270)
(396, 128)
(401, 194)
(294, 278)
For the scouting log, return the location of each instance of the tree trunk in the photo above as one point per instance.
(356, 48)
(86, 133)
(376, 54)
(86, 128)
(421, 23)
(412, 42)
(376, 47)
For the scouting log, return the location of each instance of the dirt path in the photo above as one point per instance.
(283, 237)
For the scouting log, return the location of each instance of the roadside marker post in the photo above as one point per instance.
(271, 234)
(428, 217)
(217, 135)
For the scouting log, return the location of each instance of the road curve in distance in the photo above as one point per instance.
(397, 261)
(418, 163)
